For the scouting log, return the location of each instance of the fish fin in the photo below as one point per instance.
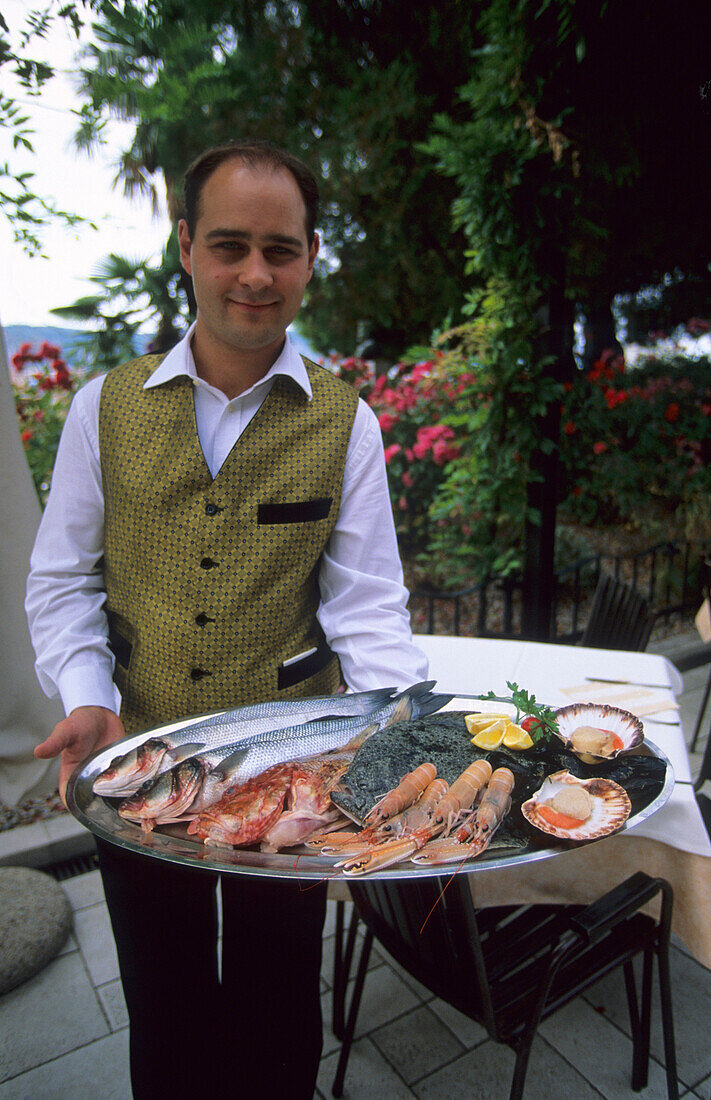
(360, 738)
(430, 704)
(226, 766)
(184, 752)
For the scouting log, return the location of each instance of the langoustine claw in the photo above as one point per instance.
(474, 834)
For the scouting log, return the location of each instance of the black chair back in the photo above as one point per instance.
(619, 617)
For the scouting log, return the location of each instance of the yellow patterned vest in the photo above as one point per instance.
(212, 584)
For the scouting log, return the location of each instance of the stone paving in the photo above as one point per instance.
(64, 1035)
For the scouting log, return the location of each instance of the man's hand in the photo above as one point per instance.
(82, 732)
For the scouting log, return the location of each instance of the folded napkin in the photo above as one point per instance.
(638, 700)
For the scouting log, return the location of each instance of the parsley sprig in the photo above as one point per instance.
(526, 704)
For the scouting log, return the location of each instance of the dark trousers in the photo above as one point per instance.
(256, 1032)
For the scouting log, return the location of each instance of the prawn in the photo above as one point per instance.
(474, 834)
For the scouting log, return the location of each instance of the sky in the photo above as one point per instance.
(31, 287)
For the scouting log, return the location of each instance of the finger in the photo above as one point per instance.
(57, 742)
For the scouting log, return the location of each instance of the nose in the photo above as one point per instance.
(255, 273)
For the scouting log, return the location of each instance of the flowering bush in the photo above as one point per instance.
(410, 403)
(43, 387)
(637, 439)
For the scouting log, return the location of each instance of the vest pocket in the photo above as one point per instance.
(118, 643)
(299, 511)
(294, 672)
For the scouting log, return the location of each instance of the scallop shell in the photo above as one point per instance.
(601, 716)
(610, 807)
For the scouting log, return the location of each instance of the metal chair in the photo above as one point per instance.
(619, 617)
(703, 800)
(699, 654)
(509, 969)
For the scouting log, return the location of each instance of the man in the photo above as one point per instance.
(218, 532)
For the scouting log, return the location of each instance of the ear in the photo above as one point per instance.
(185, 245)
(313, 253)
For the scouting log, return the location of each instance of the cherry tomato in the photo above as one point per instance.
(531, 724)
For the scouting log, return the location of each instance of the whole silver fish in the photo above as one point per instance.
(156, 755)
(253, 755)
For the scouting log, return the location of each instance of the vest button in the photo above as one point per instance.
(211, 509)
(202, 619)
(208, 563)
(198, 673)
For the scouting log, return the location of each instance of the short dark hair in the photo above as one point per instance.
(253, 154)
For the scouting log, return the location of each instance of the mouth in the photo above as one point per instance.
(251, 307)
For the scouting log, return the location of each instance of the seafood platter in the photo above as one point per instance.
(377, 782)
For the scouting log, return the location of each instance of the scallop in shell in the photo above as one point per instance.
(608, 804)
(591, 730)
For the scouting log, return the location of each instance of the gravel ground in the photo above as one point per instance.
(33, 809)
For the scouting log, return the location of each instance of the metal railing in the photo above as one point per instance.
(666, 574)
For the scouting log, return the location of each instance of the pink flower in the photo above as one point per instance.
(391, 451)
(387, 422)
(407, 479)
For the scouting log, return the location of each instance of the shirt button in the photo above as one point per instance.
(208, 563)
(211, 509)
(198, 673)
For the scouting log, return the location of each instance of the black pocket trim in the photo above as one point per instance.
(300, 511)
(294, 673)
(119, 646)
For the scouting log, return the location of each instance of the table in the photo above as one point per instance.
(673, 843)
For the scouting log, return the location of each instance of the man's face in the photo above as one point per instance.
(249, 257)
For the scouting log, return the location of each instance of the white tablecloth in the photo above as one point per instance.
(672, 843)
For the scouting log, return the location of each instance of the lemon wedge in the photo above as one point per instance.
(477, 722)
(492, 736)
(515, 737)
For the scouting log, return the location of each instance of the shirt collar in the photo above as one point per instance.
(179, 361)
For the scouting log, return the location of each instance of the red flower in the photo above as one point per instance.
(26, 436)
(672, 412)
(391, 451)
(18, 361)
(387, 422)
(569, 427)
(600, 447)
(613, 398)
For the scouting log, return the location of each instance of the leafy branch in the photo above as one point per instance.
(525, 703)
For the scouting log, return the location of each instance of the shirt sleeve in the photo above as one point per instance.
(65, 589)
(363, 608)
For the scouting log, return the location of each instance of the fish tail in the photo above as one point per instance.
(373, 700)
(417, 700)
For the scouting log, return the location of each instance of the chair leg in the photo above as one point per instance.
(337, 1087)
(640, 1025)
(342, 967)
(702, 711)
(523, 1053)
(668, 1022)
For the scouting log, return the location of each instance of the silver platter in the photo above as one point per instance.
(172, 842)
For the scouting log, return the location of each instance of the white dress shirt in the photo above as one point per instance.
(362, 607)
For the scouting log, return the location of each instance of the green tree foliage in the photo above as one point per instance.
(25, 210)
(349, 86)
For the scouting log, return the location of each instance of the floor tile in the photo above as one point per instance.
(99, 1069)
(417, 1044)
(467, 1031)
(92, 929)
(385, 996)
(113, 1003)
(368, 1075)
(487, 1072)
(579, 1034)
(691, 1004)
(26, 846)
(49, 1015)
(84, 890)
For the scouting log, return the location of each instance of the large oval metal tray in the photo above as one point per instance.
(172, 843)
